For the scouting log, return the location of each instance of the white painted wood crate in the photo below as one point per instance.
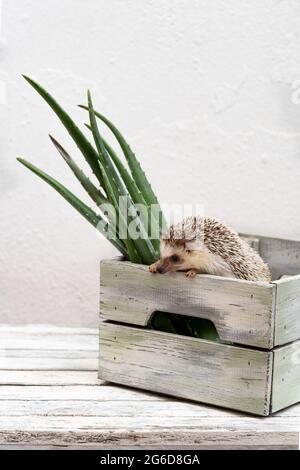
(259, 373)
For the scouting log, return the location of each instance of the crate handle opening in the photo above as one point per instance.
(184, 325)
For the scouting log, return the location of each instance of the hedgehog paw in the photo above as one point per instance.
(153, 267)
(191, 273)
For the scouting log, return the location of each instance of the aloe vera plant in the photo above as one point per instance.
(116, 181)
(109, 171)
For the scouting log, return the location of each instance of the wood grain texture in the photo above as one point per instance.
(96, 390)
(286, 376)
(30, 359)
(46, 377)
(94, 414)
(191, 368)
(164, 422)
(287, 311)
(283, 256)
(87, 432)
(242, 311)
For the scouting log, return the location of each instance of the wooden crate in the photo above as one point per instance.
(259, 372)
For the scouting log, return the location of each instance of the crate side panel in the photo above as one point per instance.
(204, 371)
(286, 376)
(287, 310)
(241, 310)
(283, 256)
(252, 240)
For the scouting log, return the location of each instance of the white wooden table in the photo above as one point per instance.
(50, 396)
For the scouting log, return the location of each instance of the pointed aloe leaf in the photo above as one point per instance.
(101, 201)
(134, 165)
(90, 188)
(116, 183)
(151, 252)
(81, 141)
(130, 184)
(137, 198)
(115, 189)
(134, 256)
(82, 208)
(131, 187)
(135, 194)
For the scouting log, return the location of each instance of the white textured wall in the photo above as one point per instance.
(202, 89)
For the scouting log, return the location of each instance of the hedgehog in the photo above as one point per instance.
(208, 246)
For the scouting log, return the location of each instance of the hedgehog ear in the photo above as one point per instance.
(179, 243)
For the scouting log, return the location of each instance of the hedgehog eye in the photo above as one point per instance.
(174, 258)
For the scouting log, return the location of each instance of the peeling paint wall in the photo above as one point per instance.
(208, 94)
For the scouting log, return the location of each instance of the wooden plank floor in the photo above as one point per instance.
(50, 396)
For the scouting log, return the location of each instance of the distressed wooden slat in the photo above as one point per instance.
(105, 409)
(51, 363)
(241, 310)
(55, 341)
(11, 340)
(287, 311)
(101, 392)
(48, 359)
(286, 376)
(12, 353)
(283, 256)
(45, 330)
(105, 392)
(152, 410)
(200, 370)
(116, 438)
(125, 424)
(45, 377)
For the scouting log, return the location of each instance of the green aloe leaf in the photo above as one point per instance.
(115, 181)
(134, 256)
(135, 193)
(82, 208)
(134, 165)
(130, 184)
(81, 141)
(137, 198)
(113, 190)
(202, 328)
(161, 321)
(96, 195)
(90, 188)
(143, 245)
